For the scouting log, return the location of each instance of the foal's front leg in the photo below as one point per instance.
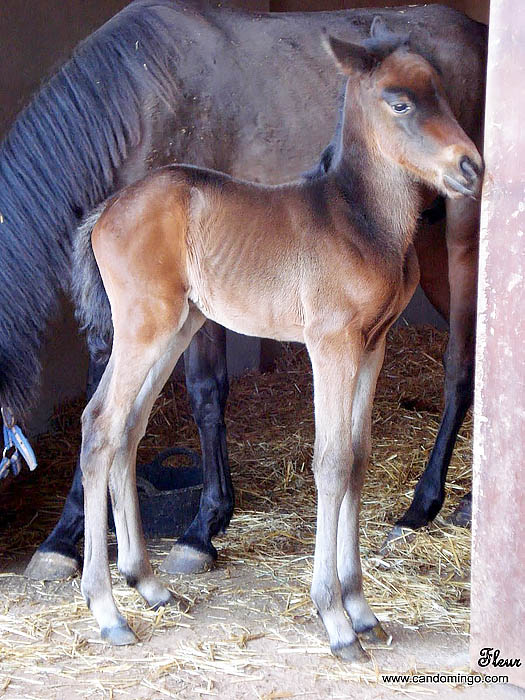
(364, 621)
(335, 360)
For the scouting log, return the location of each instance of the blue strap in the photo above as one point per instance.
(16, 445)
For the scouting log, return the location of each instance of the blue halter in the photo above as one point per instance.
(16, 445)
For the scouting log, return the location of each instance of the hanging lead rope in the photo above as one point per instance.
(16, 445)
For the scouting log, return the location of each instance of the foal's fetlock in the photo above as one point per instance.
(352, 652)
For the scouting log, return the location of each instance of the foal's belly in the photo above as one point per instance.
(265, 311)
(249, 292)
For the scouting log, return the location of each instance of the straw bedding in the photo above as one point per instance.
(260, 588)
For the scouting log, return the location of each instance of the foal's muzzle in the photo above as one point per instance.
(467, 179)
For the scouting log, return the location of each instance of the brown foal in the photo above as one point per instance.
(326, 261)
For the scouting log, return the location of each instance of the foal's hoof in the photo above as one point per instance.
(396, 535)
(354, 652)
(51, 566)
(186, 560)
(119, 635)
(375, 635)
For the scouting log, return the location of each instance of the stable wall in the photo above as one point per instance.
(498, 513)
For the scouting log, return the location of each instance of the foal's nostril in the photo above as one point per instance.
(469, 169)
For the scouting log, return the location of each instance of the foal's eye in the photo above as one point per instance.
(401, 107)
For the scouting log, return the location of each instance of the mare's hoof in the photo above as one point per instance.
(354, 653)
(462, 516)
(186, 560)
(51, 566)
(119, 635)
(397, 535)
(375, 635)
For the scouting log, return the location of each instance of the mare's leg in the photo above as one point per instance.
(432, 255)
(57, 557)
(112, 426)
(363, 619)
(207, 383)
(462, 250)
(335, 360)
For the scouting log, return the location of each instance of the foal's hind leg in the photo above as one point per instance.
(364, 622)
(135, 371)
(133, 561)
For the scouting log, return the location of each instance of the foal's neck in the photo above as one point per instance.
(384, 198)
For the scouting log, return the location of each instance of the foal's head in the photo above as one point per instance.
(408, 119)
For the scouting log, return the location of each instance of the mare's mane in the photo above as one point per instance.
(59, 160)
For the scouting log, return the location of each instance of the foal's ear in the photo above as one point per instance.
(350, 58)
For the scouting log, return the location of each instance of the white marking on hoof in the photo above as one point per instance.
(186, 560)
(51, 566)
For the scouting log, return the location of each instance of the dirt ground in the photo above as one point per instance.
(235, 644)
(247, 629)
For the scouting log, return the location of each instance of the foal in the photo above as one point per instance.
(326, 261)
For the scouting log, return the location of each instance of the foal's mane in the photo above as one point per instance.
(59, 160)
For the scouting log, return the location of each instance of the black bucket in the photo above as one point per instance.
(169, 496)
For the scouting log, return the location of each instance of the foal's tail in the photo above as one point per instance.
(92, 307)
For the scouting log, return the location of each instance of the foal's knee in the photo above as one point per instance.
(332, 468)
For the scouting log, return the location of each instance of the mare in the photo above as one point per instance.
(167, 81)
(327, 260)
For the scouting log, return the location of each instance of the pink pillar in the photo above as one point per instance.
(498, 556)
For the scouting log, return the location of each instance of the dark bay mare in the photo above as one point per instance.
(325, 260)
(254, 95)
